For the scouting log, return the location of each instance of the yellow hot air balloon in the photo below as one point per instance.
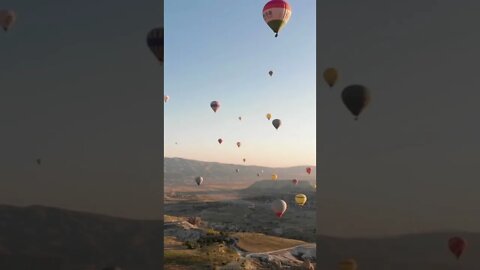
(274, 177)
(300, 199)
(349, 264)
(330, 75)
(269, 116)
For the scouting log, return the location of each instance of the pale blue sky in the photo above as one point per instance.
(222, 50)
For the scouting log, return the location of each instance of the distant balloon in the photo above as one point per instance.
(244, 160)
(258, 174)
(300, 199)
(309, 170)
(330, 75)
(215, 105)
(220, 141)
(240, 118)
(276, 14)
(274, 177)
(295, 181)
(349, 264)
(7, 19)
(269, 116)
(237, 170)
(199, 180)
(279, 207)
(457, 246)
(277, 123)
(166, 98)
(155, 42)
(239, 144)
(356, 98)
(270, 73)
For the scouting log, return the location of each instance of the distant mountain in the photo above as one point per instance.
(39, 237)
(183, 171)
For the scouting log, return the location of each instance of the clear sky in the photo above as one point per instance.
(222, 50)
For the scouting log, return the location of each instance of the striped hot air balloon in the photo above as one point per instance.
(155, 42)
(276, 14)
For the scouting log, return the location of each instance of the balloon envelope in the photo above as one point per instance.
(274, 177)
(277, 123)
(155, 42)
(239, 144)
(199, 180)
(166, 98)
(215, 105)
(309, 170)
(330, 75)
(279, 207)
(276, 14)
(349, 264)
(7, 19)
(220, 141)
(269, 116)
(300, 199)
(457, 246)
(295, 181)
(270, 73)
(356, 98)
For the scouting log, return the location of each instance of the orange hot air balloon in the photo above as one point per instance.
(457, 246)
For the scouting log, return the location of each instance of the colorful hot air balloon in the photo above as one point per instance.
(239, 144)
(309, 170)
(7, 19)
(220, 141)
(295, 181)
(277, 123)
(270, 73)
(199, 180)
(356, 98)
(215, 105)
(269, 116)
(349, 264)
(457, 246)
(279, 207)
(166, 98)
(276, 14)
(330, 75)
(155, 42)
(274, 177)
(300, 199)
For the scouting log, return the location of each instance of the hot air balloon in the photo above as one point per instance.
(274, 177)
(277, 123)
(7, 19)
(220, 141)
(295, 181)
(300, 199)
(309, 170)
(349, 264)
(457, 246)
(239, 144)
(237, 170)
(356, 98)
(269, 116)
(258, 175)
(240, 118)
(155, 42)
(330, 75)
(244, 160)
(270, 73)
(276, 14)
(279, 207)
(166, 98)
(215, 105)
(199, 180)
